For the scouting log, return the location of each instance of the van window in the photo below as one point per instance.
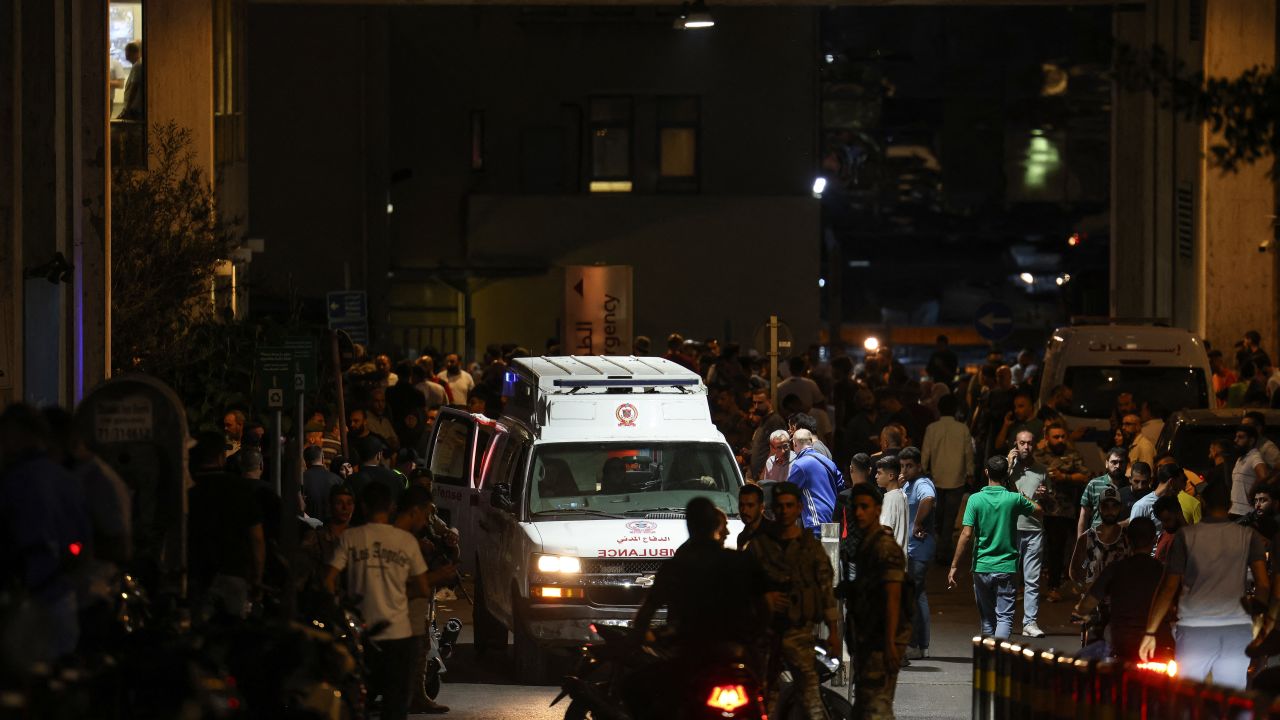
(503, 455)
(1094, 388)
(631, 479)
(449, 455)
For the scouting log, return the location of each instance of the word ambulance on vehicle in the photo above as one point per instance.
(570, 502)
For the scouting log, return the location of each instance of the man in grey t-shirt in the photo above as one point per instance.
(1208, 561)
(1029, 478)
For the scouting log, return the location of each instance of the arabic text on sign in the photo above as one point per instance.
(126, 420)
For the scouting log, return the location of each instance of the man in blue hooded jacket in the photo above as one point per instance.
(818, 479)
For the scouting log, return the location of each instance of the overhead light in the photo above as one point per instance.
(1059, 280)
(819, 186)
(1027, 278)
(694, 16)
(871, 344)
(822, 282)
(829, 58)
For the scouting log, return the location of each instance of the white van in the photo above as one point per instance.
(569, 503)
(1100, 361)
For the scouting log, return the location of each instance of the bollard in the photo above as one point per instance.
(981, 705)
(1135, 685)
(1082, 688)
(1063, 685)
(1027, 684)
(1106, 679)
(1004, 681)
(1042, 698)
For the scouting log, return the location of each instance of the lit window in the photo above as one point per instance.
(678, 128)
(127, 83)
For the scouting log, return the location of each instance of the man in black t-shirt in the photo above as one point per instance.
(226, 549)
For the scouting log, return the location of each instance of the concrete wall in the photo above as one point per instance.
(1154, 156)
(1241, 287)
(706, 267)
(53, 335)
(177, 52)
(307, 146)
(344, 99)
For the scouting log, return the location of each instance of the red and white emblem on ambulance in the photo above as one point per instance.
(627, 415)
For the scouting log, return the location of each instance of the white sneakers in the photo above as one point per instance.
(1032, 630)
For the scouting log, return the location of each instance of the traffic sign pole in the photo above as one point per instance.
(773, 361)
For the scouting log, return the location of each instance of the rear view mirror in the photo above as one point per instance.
(500, 498)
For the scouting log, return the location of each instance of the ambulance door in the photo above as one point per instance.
(452, 458)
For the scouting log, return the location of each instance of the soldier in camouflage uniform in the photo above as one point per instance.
(879, 610)
(796, 565)
(1065, 476)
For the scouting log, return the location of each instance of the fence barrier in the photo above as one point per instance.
(1012, 681)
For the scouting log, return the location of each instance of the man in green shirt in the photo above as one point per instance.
(1117, 463)
(992, 515)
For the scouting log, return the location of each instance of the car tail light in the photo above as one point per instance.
(727, 697)
(1164, 668)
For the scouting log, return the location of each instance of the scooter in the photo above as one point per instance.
(442, 641)
(838, 707)
(719, 685)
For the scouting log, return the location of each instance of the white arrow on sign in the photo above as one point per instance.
(991, 321)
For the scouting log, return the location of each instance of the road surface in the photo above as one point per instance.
(937, 687)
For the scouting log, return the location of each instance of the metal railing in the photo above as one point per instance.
(1013, 682)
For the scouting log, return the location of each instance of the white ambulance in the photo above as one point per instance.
(1099, 358)
(569, 503)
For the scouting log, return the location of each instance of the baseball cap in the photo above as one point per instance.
(1109, 493)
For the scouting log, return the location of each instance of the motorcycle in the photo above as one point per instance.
(718, 685)
(791, 706)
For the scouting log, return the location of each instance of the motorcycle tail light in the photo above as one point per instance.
(1169, 668)
(727, 698)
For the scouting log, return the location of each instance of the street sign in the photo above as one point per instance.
(786, 341)
(994, 321)
(283, 370)
(348, 310)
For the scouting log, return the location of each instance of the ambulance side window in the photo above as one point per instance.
(521, 461)
(449, 456)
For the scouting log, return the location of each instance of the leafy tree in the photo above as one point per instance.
(1242, 111)
(167, 239)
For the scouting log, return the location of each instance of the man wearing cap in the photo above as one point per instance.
(1103, 544)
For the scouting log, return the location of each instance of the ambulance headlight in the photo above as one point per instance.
(558, 564)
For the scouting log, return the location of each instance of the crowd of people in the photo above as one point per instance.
(913, 470)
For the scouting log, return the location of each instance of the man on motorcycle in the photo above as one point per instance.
(796, 565)
(713, 596)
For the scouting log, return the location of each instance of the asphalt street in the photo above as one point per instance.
(937, 687)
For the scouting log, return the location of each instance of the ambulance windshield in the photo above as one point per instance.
(631, 479)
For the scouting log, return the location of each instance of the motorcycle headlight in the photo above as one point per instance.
(558, 564)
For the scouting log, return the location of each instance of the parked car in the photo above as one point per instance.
(1187, 434)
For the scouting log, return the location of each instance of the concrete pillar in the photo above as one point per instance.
(1154, 171)
(1240, 289)
(53, 200)
(177, 51)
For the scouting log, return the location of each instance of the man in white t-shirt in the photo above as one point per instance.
(1248, 471)
(893, 508)
(384, 567)
(459, 381)
(1266, 448)
(1207, 563)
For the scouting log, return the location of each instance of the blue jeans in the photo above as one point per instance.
(1029, 544)
(997, 593)
(918, 569)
